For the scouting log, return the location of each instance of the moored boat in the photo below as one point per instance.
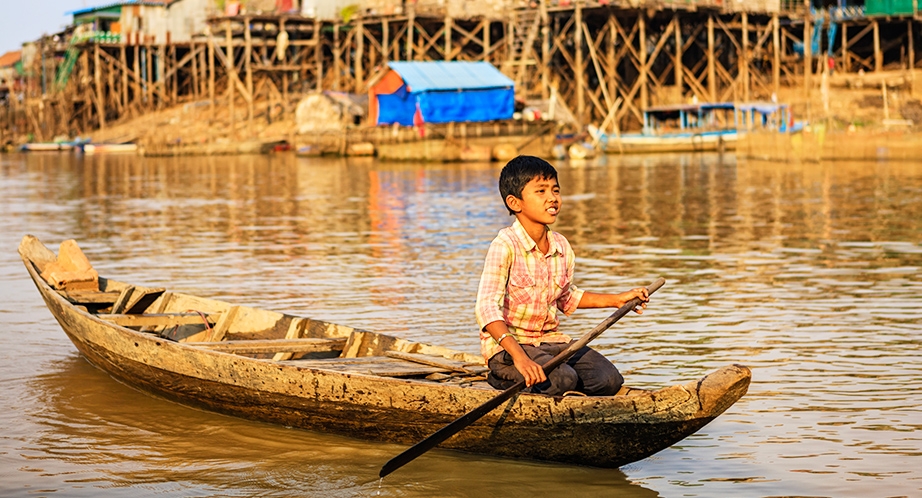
(105, 148)
(46, 146)
(310, 374)
(677, 128)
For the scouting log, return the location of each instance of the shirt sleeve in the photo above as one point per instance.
(492, 290)
(569, 300)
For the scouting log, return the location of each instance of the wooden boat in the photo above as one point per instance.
(701, 127)
(310, 374)
(106, 148)
(46, 146)
(677, 128)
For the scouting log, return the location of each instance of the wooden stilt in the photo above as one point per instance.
(231, 75)
(411, 28)
(97, 78)
(642, 32)
(808, 59)
(545, 51)
(744, 56)
(712, 70)
(679, 68)
(776, 55)
(580, 68)
(318, 57)
(337, 56)
(248, 67)
(878, 57)
(359, 56)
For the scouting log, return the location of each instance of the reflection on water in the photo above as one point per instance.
(807, 273)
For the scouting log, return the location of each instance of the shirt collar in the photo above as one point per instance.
(529, 243)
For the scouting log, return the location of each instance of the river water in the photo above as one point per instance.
(807, 273)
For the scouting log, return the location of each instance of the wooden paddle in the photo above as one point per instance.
(472, 416)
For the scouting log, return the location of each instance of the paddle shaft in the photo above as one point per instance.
(472, 416)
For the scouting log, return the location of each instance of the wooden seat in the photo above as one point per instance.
(160, 319)
(89, 297)
(261, 346)
(382, 366)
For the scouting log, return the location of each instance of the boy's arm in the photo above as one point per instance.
(597, 300)
(532, 372)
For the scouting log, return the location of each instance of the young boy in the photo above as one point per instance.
(526, 279)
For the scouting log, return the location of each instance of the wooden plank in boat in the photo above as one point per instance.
(89, 297)
(438, 361)
(122, 300)
(305, 345)
(381, 366)
(145, 298)
(158, 319)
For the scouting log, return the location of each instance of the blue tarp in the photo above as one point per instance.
(447, 92)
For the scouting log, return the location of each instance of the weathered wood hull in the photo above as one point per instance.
(594, 431)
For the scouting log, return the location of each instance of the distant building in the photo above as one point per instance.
(143, 21)
(10, 73)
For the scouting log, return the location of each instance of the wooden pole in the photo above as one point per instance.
(448, 28)
(878, 58)
(545, 51)
(149, 76)
(231, 75)
(642, 32)
(411, 26)
(911, 64)
(744, 57)
(248, 66)
(776, 55)
(808, 56)
(359, 56)
(487, 47)
(318, 56)
(195, 75)
(846, 60)
(385, 41)
(712, 70)
(211, 56)
(97, 77)
(912, 56)
(123, 58)
(136, 66)
(678, 56)
(580, 70)
(337, 54)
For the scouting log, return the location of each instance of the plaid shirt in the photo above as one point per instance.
(524, 287)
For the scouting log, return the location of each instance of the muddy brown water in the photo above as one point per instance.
(807, 273)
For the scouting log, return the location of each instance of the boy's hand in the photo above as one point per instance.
(532, 371)
(640, 293)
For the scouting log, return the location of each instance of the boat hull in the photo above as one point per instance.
(646, 144)
(594, 431)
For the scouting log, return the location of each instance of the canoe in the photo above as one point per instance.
(46, 146)
(102, 148)
(310, 374)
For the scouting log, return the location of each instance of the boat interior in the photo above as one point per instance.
(247, 331)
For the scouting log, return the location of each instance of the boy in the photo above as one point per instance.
(526, 279)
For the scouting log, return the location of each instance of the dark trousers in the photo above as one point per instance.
(587, 371)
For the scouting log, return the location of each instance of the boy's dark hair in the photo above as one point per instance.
(518, 172)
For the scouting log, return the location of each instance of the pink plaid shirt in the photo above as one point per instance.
(524, 287)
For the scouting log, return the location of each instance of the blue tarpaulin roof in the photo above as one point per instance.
(441, 75)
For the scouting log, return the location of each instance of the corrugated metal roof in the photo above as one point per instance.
(154, 3)
(450, 75)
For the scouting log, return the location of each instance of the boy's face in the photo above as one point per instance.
(540, 202)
